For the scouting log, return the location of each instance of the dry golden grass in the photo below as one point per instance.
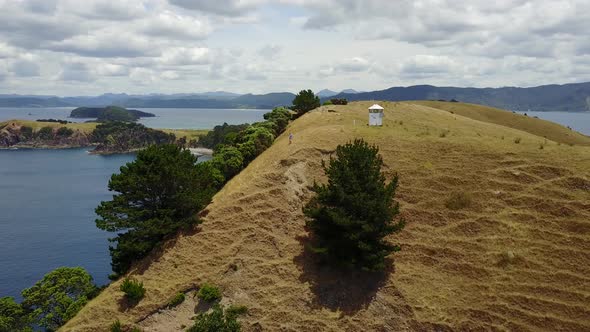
(188, 133)
(517, 258)
(83, 127)
(542, 128)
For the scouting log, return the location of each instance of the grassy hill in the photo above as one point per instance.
(517, 257)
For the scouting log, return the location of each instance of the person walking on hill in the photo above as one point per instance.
(290, 138)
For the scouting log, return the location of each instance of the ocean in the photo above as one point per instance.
(48, 197)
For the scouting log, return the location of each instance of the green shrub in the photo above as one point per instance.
(209, 293)
(64, 132)
(134, 290)
(117, 326)
(236, 310)
(517, 140)
(176, 300)
(339, 101)
(228, 160)
(458, 200)
(327, 103)
(217, 320)
(45, 133)
(26, 131)
(304, 102)
(354, 212)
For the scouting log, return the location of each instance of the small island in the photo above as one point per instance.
(110, 113)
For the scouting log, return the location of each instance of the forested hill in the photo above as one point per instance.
(567, 97)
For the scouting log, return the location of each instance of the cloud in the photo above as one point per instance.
(182, 56)
(270, 52)
(119, 10)
(172, 25)
(106, 43)
(428, 65)
(218, 7)
(76, 72)
(25, 68)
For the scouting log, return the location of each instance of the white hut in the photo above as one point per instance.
(375, 115)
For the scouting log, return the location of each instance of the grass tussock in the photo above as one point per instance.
(458, 200)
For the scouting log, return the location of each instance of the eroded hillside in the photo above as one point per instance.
(517, 258)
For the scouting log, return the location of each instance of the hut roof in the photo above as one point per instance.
(376, 107)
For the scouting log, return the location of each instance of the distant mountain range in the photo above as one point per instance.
(567, 97)
(329, 93)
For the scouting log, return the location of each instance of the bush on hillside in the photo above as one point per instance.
(280, 116)
(339, 101)
(57, 297)
(133, 289)
(156, 195)
(224, 134)
(209, 293)
(26, 132)
(304, 102)
(126, 136)
(351, 215)
(176, 300)
(328, 103)
(216, 320)
(64, 132)
(229, 160)
(45, 133)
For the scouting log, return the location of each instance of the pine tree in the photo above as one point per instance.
(353, 213)
(157, 194)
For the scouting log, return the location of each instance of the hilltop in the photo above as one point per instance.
(515, 258)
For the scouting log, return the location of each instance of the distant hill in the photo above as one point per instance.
(567, 97)
(329, 93)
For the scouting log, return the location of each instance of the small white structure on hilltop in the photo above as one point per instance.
(376, 115)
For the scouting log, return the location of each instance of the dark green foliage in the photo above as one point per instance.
(228, 160)
(157, 194)
(54, 120)
(339, 101)
(57, 297)
(254, 140)
(209, 293)
(133, 289)
(45, 133)
(353, 213)
(122, 137)
(236, 310)
(117, 326)
(13, 318)
(217, 320)
(224, 134)
(305, 101)
(26, 132)
(327, 103)
(176, 300)
(64, 132)
(281, 117)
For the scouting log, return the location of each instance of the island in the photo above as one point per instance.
(110, 113)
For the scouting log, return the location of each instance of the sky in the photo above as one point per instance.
(90, 47)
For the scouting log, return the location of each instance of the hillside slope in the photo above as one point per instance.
(518, 258)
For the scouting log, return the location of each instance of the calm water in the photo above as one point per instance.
(172, 118)
(579, 121)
